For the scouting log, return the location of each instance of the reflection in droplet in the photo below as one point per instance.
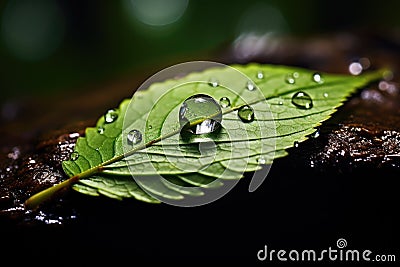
(111, 116)
(200, 114)
(225, 102)
(302, 100)
(296, 144)
(134, 137)
(74, 155)
(260, 75)
(246, 113)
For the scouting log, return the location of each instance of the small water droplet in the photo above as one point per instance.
(325, 95)
(317, 78)
(111, 116)
(100, 130)
(296, 75)
(74, 156)
(261, 160)
(315, 134)
(260, 75)
(250, 86)
(150, 127)
(224, 102)
(246, 113)
(280, 103)
(200, 114)
(355, 68)
(213, 82)
(134, 137)
(290, 79)
(296, 144)
(302, 100)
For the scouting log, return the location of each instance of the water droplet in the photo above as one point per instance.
(290, 79)
(246, 113)
(296, 144)
(355, 68)
(296, 75)
(302, 100)
(111, 116)
(325, 94)
(260, 75)
(74, 156)
(150, 127)
(224, 102)
(134, 137)
(280, 103)
(261, 160)
(250, 86)
(315, 134)
(200, 114)
(100, 129)
(317, 78)
(213, 82)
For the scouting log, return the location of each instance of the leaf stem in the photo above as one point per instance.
(34, 201)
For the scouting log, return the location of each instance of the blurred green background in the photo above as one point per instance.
(48, 45)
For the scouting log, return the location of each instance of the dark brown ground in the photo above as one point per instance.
(342, 184)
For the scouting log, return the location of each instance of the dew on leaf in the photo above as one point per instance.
(134, 137)
(260, 75)
(74, 155)
(246, 113)
(261, 160)
(200, 114)
(317, 78)
(111, 116)
(302, 100)
(224, 102)
(290, 79)
(100, 129)
(213, 82)
(250, 86)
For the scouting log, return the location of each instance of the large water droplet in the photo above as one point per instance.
(200, 114)
(250, 86)
(225, 102)
(100, 129)
(134, 137)
(111, 116)
(290, 78)
(302, 100)
(246, 113)
(317, 78)
(74, 156)
(213, 82)
(260, 75)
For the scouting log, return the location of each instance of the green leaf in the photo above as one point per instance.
(106, 163)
